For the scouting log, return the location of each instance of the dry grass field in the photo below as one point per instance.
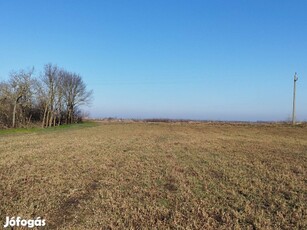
(157, 176)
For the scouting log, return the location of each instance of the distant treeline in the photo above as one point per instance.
(169, 120)
(51, 99)
(166, 120)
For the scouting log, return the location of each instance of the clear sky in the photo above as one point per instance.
(220, 60)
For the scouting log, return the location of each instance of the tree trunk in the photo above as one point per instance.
(14, 111)
(54, 121)
(45, 116)
(71, 115)
(51, 118)
(14, 115)
(60, 117)
(29, 120)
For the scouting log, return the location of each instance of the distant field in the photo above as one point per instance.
(163, 175)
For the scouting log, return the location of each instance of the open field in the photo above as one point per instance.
(162, 175)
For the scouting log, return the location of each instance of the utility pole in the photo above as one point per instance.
(294, 94)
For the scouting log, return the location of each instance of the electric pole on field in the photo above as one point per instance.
(294, 94)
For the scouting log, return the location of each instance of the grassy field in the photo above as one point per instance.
(157, 175)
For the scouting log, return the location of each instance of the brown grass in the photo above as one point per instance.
(157, 176)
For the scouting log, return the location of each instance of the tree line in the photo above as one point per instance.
(51, 99)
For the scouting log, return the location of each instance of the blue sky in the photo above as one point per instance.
(220, 60)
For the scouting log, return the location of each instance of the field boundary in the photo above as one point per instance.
(12, 131)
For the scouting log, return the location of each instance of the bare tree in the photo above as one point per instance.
(60, 97)
(75, 94)
(21, 93)
(49, 79)
(5, 104)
